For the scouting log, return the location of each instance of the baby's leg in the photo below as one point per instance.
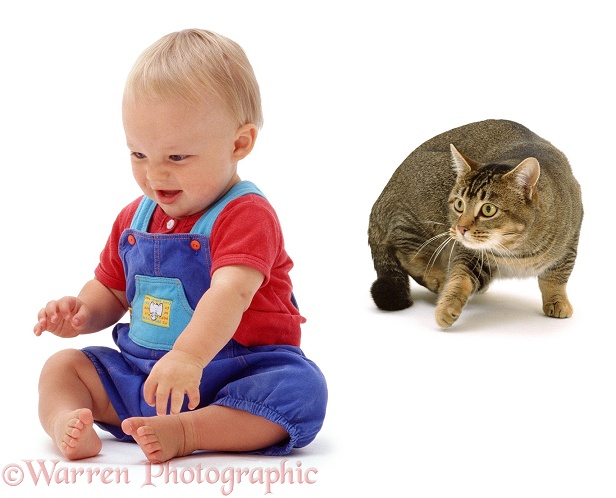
(71, 396)
(212, 428)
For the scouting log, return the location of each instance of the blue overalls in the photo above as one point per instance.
(166, 275)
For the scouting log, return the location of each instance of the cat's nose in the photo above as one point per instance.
(462, 229)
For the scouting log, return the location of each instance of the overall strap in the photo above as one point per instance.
(141, 219)
(206, 222)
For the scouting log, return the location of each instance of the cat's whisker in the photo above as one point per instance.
(478, 257)
(436, 254)
(485, 262)
(495, 260)
(419, 249)
(436, 223)
(451, 252)
(503, 251)
(509, 256)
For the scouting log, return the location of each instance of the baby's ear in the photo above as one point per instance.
(525, 175)
(461, 164)
(245, 139)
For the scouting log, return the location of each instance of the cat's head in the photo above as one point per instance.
(491, 205)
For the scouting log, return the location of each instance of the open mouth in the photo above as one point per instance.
(168, 196)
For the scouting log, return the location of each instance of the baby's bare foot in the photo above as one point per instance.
(75, 435)
(160, 438)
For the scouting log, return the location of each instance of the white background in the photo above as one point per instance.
(508, 403)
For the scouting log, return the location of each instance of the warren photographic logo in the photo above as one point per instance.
(47, 473)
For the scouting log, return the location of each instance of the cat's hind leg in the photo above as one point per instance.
(426, 270)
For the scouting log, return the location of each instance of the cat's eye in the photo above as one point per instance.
(458, 205)
(488, 210)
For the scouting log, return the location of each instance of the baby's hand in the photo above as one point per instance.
(176, 374)
(65, 317)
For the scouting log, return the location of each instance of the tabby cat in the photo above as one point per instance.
(486, 200)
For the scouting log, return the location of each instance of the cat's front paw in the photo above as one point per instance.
(448, 311)
(554, 296)
(558, 308)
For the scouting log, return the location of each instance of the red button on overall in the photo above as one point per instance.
(195, 244)
(131, 240)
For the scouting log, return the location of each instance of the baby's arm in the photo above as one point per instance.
(95, 308)
(215, 320)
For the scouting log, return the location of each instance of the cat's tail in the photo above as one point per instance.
(391, 293)
(391, 290)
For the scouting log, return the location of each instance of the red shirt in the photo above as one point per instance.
(247, 232)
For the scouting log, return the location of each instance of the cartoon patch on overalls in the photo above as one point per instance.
(156, 310)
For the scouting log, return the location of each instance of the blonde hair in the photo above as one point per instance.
(193, 63)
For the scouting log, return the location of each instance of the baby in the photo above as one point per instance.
(211, 358)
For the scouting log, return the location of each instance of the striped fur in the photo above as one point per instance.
(486, 200)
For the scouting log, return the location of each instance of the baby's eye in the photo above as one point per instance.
(458, 205)
(177, 157)
(138, 155)
(488, 210)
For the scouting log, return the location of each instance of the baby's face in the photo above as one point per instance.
(183, 156)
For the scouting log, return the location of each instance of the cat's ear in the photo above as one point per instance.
(526, 175)
(461, 164)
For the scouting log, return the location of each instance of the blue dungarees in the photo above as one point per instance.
(166, 275)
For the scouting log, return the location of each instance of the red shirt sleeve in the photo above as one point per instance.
(247, 232)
